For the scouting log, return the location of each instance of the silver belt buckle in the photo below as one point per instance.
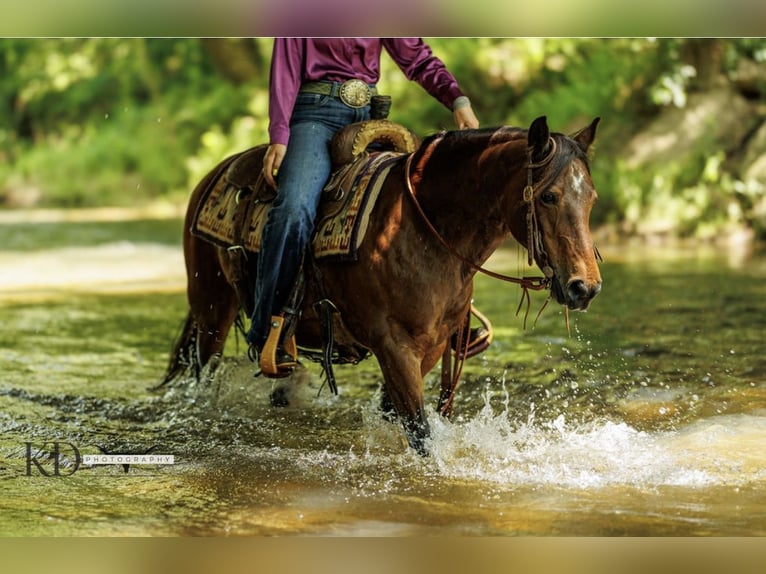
(355, 93)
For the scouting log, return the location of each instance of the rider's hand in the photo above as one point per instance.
(272, 162)
(465, 118)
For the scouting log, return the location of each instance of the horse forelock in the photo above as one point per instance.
(569, 151)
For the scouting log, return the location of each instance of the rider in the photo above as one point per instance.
(318, 86)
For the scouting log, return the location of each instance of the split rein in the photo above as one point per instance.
(534, 237)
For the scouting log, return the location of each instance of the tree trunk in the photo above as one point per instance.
(706, 55)
(239, 60)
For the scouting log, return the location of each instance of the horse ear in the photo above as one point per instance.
(586, 136)
(537, 137)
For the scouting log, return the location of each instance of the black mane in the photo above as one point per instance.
(469, 140)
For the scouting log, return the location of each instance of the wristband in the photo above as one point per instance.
(460, 103)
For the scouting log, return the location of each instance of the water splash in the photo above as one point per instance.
(492, 447)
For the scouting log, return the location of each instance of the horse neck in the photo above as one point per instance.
(471, 190)
(505, 169)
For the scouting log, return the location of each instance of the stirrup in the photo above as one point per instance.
(278, 360)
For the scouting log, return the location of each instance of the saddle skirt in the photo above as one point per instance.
(232, 213)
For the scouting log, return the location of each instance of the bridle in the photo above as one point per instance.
(534, 237)
(451, 375)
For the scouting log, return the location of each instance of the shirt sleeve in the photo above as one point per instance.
(284, 83)
(415, 58)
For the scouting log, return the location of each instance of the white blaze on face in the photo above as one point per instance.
(578, 176)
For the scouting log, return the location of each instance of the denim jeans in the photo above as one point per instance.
(290, 224)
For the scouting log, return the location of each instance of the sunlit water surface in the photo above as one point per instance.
(649, 418)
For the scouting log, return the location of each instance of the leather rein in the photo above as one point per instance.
(534, 239)
(450, 373)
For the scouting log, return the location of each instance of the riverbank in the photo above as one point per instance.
(157, 210)
(47, 252)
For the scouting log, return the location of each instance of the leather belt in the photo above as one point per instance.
(354, 93)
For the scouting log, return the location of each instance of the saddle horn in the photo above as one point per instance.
(349, 142)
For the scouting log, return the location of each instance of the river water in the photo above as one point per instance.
(647, 418)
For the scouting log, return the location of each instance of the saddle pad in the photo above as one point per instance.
(214, 219)
(341, 226)
(340, 232)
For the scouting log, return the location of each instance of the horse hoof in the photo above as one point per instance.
(279, 397)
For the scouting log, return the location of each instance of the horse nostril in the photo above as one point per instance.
(579, 293)
(577, 290)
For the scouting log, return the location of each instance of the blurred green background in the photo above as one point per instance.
(681, 149)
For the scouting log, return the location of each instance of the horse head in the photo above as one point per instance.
(559, 195)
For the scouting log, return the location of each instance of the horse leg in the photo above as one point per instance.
(403, 390)
(213, 301)
(183, 353)
(203, 334)
(387, 406)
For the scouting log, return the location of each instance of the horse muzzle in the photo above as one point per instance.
(577, 294)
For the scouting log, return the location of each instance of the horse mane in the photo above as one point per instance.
(466, 141)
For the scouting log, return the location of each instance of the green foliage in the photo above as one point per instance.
(108, 121)
(243, 132)
(124, 121)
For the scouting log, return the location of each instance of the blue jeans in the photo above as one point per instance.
(290, 224)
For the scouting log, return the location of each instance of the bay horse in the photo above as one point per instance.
(442, 211)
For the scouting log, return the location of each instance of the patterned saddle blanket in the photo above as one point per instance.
(232, 213)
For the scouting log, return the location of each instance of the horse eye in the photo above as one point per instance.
(548, 197)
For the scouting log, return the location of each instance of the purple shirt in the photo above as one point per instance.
(298, 60)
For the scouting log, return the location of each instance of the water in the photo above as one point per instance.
(648, 419)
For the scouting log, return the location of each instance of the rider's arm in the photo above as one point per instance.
(284, 83)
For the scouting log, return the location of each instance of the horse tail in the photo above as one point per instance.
(184, 353)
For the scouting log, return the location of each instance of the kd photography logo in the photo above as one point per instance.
(65, 459)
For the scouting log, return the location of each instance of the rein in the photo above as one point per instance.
(534, 238)
(533, 231)
(450, 374)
